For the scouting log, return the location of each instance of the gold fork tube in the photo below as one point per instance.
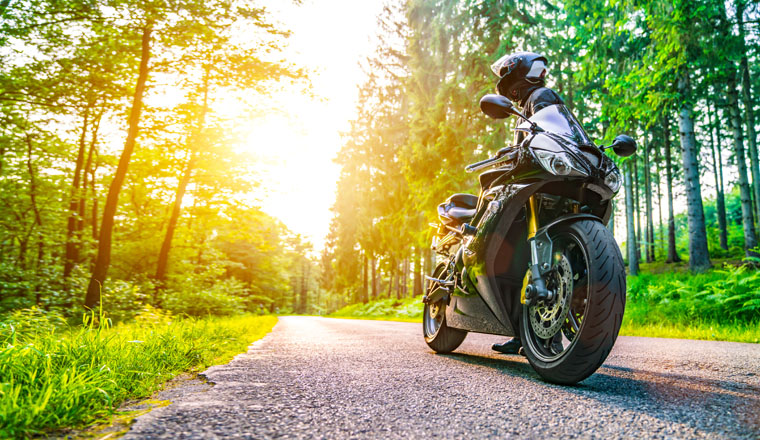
(532, 215)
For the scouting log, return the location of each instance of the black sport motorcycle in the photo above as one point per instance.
(531, 254)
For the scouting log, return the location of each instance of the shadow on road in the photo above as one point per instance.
(511, 365)
(667, 396)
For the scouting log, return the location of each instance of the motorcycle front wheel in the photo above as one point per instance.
(568, 338)
(439, 336)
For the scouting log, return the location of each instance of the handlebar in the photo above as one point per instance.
(505, 154)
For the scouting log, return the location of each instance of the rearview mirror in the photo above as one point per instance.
(497, 106)
(623, 145)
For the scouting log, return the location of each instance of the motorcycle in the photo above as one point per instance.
(531, 254)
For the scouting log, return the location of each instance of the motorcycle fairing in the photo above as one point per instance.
(479, 256)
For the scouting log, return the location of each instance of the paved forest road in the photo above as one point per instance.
(332, 378)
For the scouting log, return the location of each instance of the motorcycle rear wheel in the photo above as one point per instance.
(568, 339)
(439, 336)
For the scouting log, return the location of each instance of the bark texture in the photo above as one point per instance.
(699, 257)
(750, 239)
(672, 256)
(633, 260)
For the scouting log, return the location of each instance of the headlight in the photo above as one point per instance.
(559, 164)
(612, 180)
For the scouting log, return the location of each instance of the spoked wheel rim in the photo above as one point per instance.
(552, 327)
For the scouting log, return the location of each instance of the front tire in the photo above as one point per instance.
(568, 339)
(439, 336)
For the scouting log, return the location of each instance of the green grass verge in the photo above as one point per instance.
(53, 376)
(722, 304)
(405, 309)
(705, 330)
(737, 332)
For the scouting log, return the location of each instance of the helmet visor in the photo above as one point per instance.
(497, 66)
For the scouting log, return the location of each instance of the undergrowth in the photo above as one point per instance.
(722, 304)
(53, 375)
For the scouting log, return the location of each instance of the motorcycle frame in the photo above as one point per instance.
(493, 262)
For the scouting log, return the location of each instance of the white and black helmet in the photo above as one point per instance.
(517, 70)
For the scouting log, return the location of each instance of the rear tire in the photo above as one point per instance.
(569, 344)
(439, 336)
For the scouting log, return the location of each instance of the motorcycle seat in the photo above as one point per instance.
(461, 200)
(461, 215)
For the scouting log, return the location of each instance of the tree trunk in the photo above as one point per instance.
(648, 199)
(633, 260)
(672, 256)
(304, 302)
(88, 174)
(365, 281)
(72, 247)
(749, 112)
(106, 229)
(95, 234)
(400, 272)
(195, 142)
(163, 255)
(391, 269)
(374, 278)
(403, 277)
(699, 257)
(750, 239)
(417, 290)
(37, 219)
(719, 200)
(636, 195)
(658, 163)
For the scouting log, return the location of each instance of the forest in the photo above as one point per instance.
(681, 77)
(135, 244)
(122, 184)
(120, 173)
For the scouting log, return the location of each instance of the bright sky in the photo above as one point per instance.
(296, 145)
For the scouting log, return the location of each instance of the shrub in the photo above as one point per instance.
(726, 294)
(222, 298)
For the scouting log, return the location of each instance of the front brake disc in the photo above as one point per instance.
(546, 317)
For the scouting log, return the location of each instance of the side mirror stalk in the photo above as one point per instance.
(500, 107)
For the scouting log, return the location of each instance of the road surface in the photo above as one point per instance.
(332, 378)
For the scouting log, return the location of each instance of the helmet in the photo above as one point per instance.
(518, 70)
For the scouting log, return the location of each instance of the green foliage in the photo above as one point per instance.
(68, 71)
(54, 376)
(730, 294)
(405, 309)
(722, 304)
(223, 298)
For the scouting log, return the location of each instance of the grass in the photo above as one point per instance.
(390, 309)
(739, 332)
(54, 376)
(722, 304)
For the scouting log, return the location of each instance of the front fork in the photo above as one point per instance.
(534, 287)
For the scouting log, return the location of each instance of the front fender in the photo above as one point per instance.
(544, 243)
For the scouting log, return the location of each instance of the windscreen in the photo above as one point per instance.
(557, 119)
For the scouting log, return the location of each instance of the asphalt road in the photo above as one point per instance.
(332, 378)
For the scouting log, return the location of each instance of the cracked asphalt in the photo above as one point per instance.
(333, 378)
